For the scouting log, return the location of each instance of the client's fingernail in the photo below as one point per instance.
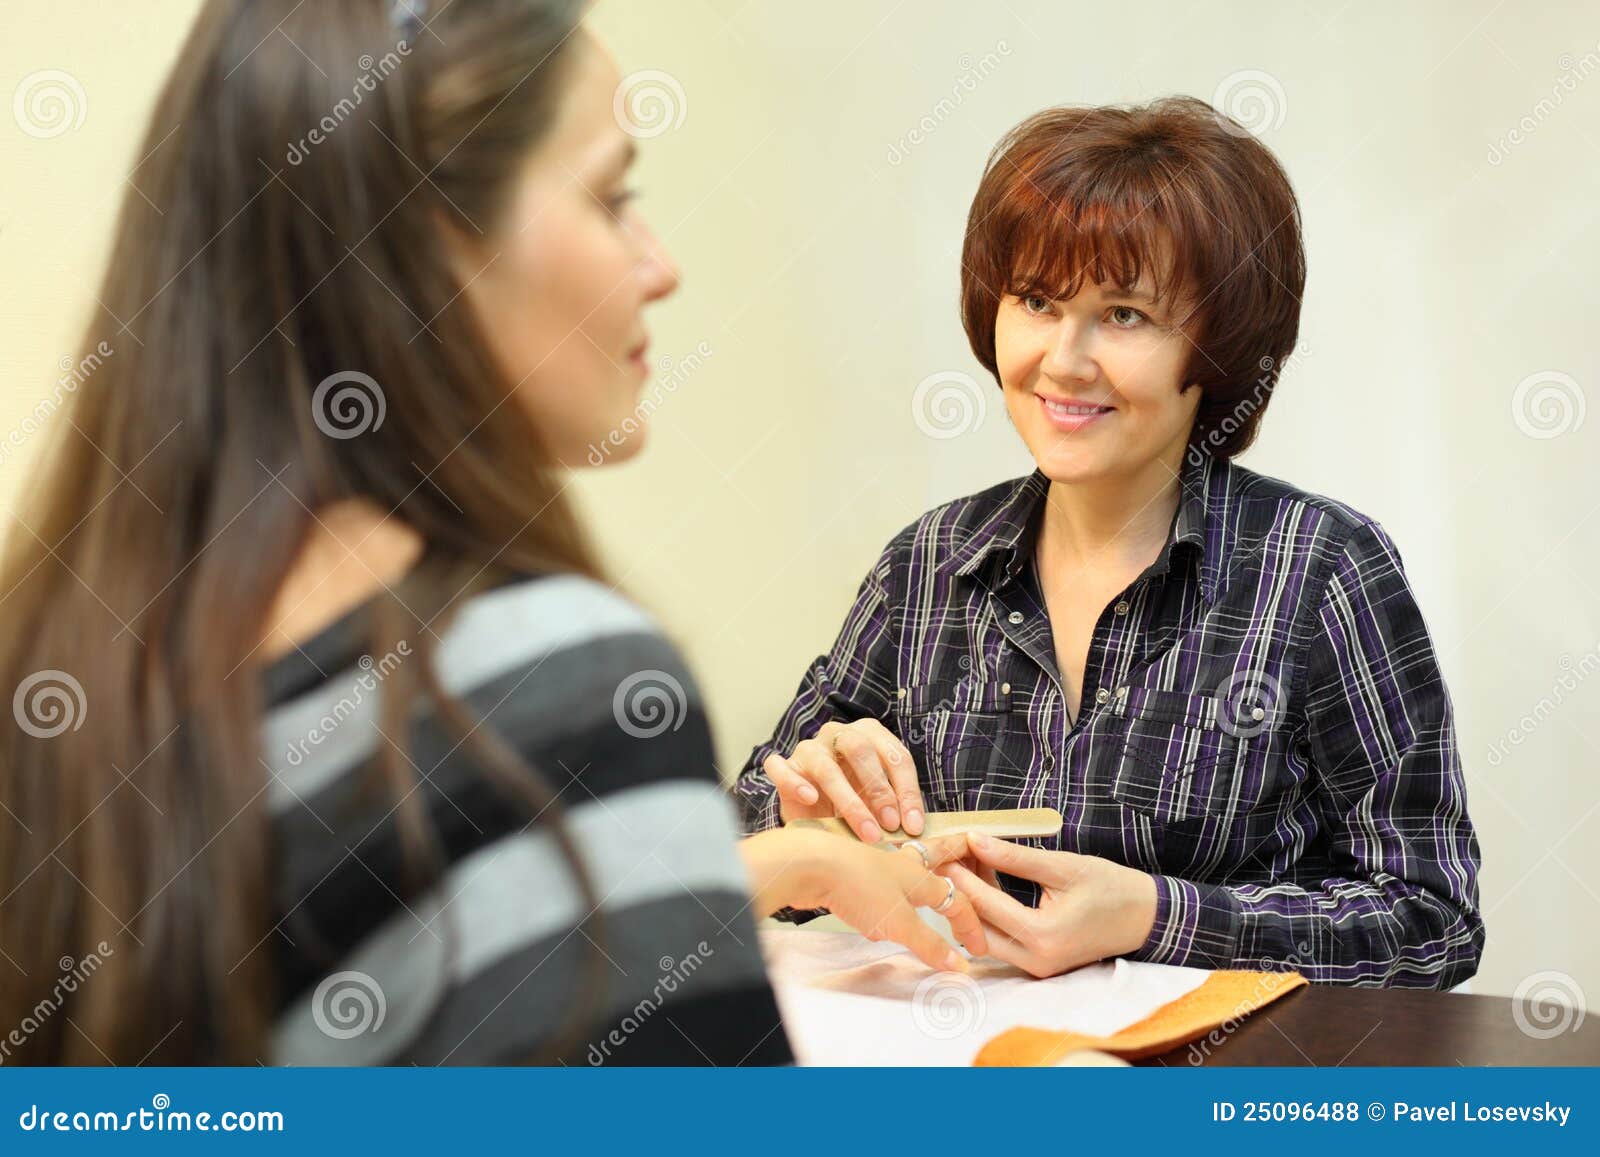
(955, 962)
(891, 818)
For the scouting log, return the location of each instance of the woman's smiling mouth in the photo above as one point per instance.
(1072, 416)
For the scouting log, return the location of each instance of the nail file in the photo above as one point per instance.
(1002, 824)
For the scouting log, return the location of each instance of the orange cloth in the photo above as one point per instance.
(1223, 997)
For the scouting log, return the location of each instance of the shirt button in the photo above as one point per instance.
(1122, 607)
(901, 693)
(1101, 695)
(1258, 714)
(1005, 688)
(1015, 616)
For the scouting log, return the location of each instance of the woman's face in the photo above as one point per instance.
(1094, 383)
(562, 282)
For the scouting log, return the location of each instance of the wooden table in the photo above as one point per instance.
(1332, 1025)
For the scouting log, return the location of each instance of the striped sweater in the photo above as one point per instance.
(484, 965)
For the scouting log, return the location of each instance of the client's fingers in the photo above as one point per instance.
(902, 925)
(929, 891)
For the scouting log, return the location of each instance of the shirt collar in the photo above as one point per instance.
(1008, 535)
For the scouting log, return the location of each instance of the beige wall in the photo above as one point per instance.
(815, 192)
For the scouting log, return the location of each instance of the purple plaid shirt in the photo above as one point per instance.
(1264, 726)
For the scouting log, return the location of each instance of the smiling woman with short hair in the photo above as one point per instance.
(1223, 682)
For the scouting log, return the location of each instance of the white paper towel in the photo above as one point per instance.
(847, 1000)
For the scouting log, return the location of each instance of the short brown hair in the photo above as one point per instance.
(1173, 187)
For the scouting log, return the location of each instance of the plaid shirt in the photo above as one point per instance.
(1264, 726)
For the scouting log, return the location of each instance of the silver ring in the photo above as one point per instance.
(922, 850)
(949, 897)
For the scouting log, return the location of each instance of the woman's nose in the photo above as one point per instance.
(659, 271)
(1067, 359)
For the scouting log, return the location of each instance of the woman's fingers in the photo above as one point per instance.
(902, 925)
(796, 793)
(1003, 947)
(902, 772)
(858, 752)
(817, 765)
(996, 909)
(1038, 864)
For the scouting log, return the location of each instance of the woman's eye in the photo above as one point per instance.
(1125, 316)
(1035, 303)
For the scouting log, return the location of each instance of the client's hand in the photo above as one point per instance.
(858, 771)
(874, 890)
(1089, 907)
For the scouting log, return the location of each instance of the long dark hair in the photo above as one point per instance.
(279, 278)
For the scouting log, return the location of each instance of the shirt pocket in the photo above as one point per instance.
(1178, 762)
(961, 735)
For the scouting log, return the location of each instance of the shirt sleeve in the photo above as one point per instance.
(1400, 906)
(854, 680)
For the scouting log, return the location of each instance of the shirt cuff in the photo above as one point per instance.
(1197, 925)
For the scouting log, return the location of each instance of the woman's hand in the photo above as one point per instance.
(874, 890)
(859, 771)
(1089, 908)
